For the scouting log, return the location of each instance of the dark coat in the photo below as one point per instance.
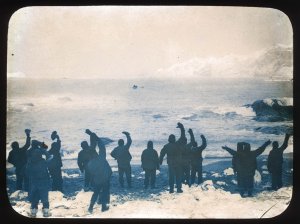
(122, 155)
(275, 158)
(37, 167)
(244, 161)
(99, 170)
(174, 154)
(196, 152)
(186, 155)
(150, 159)
(56, 162)
(275, 161)
(84, 156)
(18, 157)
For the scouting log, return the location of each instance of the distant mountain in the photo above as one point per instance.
(274, 63)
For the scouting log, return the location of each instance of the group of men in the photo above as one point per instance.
(244, 164)
(184, 160)
(33, 172)
(184, 165)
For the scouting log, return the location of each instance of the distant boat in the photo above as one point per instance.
(134, 87)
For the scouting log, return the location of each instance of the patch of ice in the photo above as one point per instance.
(19, 195)
(264, 167)
(114, 169)
(207, 185)
(216, 175)
(234, 182)
(222, 183)
(229, 171)
(257, 177)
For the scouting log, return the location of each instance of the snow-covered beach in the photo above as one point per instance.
(216, 197)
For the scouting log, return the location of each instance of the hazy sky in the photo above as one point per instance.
(115, 42)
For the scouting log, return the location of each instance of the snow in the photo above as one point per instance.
(257, 177)
(228, 172)
(221, 183)
(216, 197)
(199, 201)
(274, 63)
(216, 175)
(70, 175)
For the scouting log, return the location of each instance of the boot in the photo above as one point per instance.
(46, 212)
(33, 212)
(179, 191)
(104, 208)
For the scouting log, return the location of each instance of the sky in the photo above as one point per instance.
(135, 41)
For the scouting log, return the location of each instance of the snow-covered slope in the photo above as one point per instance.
(275, 63)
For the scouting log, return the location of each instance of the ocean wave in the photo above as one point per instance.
(192, 117)
(222, 111)
(19, 107)
(276, 130)
(158, 116)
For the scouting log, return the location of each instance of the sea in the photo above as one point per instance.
(149, 109)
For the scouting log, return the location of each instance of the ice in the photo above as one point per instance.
(228, 172)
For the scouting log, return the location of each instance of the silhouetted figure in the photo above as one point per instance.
(37, 169)
(246, 164)
(184, 158)
(87, 153)
(234, 158)
(55, 165)
(100, 172)
(275, 160)
(173, 152)
(187, 159)
(196, 161)
(150, 163)
(122, 155)
(18, 158)
(182, 139)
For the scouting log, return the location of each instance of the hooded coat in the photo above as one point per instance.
(99, 170)
(150, 159)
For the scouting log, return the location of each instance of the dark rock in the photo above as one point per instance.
(272, 110)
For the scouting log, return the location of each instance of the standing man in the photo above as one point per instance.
(246, 165)
(196, 160)
(150, 163)
(37, 169)
(173, 152)
(122, 155)
(18, 158)
(275, 160)
(100, 172)
(187, 158)
(55, 165)
(87, 153)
